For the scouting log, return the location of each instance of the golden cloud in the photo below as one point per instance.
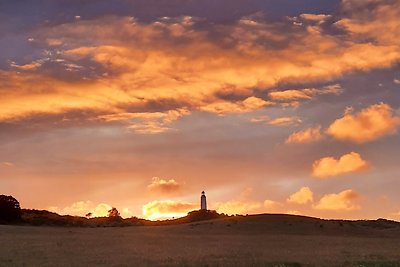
(125, 66)
(348, 163)
(382, 24)
(303, 196)
(167, 209)
(243, 204)
(238, 207)
(284, 121)
(147, 123)
(281, 121)
(162, 186)
(304, 94)
(249, 104)
(81, 208)
(369, 124)
(305, 136)
(343, 201)
(30, 66)
(315, 17)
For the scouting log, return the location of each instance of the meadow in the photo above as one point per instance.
(261, 240)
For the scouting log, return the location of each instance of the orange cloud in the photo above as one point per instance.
(382, 24)
(243, 204)
(343, 201)
(238, 207)
(165, 209)
(284, 121)
(303, 196)
(315, 17)
(161, 186)
(369, 124)
(81, 208)
(30, 66)
(247, 105)
(305, 136)
(147, 122)
(144, 67)
(348, 163)
(304, 94)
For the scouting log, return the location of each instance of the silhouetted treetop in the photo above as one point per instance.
(113, 213)
(10, 210)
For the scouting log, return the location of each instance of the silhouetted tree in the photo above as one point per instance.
(10, 210)
(88, 215)
(113, 213)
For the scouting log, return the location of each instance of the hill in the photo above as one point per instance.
(255, 240)
(47, 218)
(266, 223)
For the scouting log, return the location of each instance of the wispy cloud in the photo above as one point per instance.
(305, 136)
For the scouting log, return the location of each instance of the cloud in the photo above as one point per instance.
(7, 164)
(343, 201)
(369, 124)
(101, 210)
(315, 17)
(238, 207)
(165, 187)
(304, 94)
(272, 206)
(126, 213)
(348, 163)
(81, 208)
(284, 121)
(30, 66)
(242, 204)
(382, 24)
(147, 122)
(281, 121)
(305, 136)
(303, 196)
(247, 105)
(165, 209)
(114, 65)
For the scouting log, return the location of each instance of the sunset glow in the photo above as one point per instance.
(143, 105)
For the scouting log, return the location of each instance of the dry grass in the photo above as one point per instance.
(251, 241)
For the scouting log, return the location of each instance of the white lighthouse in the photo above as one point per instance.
(203, 201)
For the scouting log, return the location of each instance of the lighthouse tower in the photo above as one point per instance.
(203, 201)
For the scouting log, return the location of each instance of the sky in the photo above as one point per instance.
(269, 106)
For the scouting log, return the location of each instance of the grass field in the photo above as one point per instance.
(245, 241)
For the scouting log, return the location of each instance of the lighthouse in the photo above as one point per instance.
(203, 201)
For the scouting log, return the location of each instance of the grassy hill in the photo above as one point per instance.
(249, 224)
(255, 240)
